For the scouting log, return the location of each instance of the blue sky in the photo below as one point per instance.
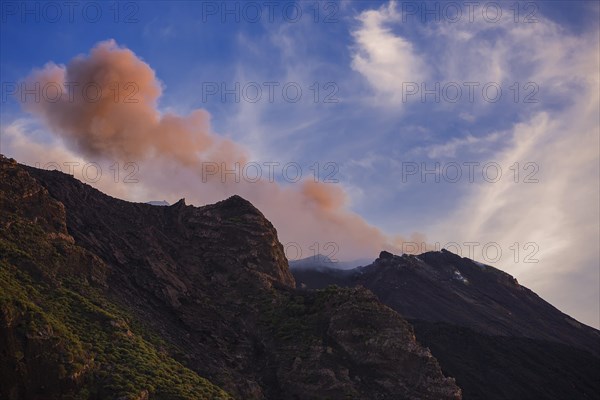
(366, 56)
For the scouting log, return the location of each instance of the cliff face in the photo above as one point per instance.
(496, 337)
(444, 287)
(60, 335)
(136, 301)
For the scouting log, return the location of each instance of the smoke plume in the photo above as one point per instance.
(104, 106)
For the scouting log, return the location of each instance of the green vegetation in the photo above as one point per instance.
(81, 336)
(235, 219)
(298, 316)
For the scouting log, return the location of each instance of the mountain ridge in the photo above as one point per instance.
(468, 283)
(119, 297)
(204, 292)
(485, 329)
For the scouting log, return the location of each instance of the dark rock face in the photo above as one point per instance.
(135, 294)
(441, 286)
(385, 255)
(132, 235)
(499, 339)
(342, 343)
(60, 336)
(507, 367)
(30, 360)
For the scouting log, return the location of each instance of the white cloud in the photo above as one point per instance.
(385, 59)
(560, 134)
(469, 142)
(467, 116)
(560, 214)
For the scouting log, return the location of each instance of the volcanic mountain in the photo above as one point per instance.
(496, 337)
(102, 298)
(106, 299)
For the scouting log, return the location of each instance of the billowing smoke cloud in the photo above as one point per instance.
(105, 104)
(106, 108)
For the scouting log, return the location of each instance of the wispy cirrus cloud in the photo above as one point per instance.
(558, 134)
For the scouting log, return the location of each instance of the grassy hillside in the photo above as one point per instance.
(60, 337)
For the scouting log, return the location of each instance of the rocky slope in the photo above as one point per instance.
(497, 338)
(60, 336)
(102, 298)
